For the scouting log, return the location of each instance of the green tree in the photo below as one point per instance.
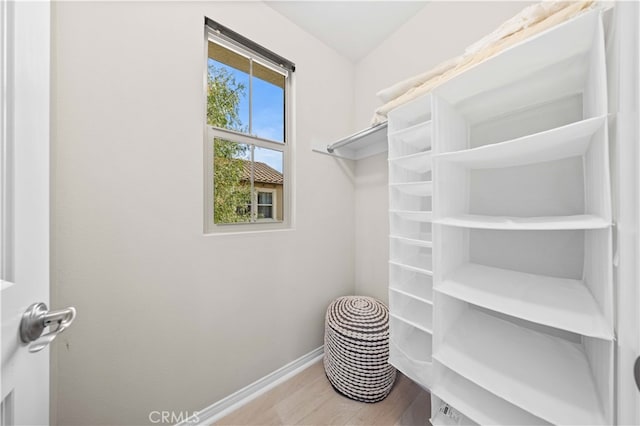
(231, 193)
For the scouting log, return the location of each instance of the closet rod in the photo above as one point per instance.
(356, 137)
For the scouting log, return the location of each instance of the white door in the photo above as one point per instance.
(24, 131)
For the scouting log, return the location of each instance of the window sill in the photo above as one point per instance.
(249, 229)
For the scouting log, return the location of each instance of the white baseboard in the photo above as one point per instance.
(219, 409)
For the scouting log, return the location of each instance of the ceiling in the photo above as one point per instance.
(352, 28)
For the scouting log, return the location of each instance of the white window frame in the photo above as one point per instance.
(211, 133)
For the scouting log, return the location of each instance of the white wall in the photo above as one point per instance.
(441, 30)
(169, 319)
(127, 203)
(372, 227)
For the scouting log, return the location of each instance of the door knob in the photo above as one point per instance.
(36, 318)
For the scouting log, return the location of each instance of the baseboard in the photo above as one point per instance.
(219, 409)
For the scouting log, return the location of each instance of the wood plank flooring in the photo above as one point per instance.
(308, 399)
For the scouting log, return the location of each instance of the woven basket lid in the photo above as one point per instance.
(360, 317)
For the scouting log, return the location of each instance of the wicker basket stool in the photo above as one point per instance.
(356, 348)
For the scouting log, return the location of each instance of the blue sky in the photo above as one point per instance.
(268, 113)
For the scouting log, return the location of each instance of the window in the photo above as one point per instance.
(248, 142)
(266, 207)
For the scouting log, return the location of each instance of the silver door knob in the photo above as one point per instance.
(36, 318)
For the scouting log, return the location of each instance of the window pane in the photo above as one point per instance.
(265, 212)
(228, 89)
(269, 182)
(265, 198)
(231, 182)
(267, 103)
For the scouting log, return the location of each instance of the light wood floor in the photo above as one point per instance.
(309, 399)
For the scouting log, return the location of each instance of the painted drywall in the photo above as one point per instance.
(441, 30)
(170, 319)
(372, 227)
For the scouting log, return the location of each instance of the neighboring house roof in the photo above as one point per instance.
(262, 173)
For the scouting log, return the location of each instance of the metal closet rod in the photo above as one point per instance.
(355, 137)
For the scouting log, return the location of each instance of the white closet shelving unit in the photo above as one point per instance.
(410, 135)
(520, 319)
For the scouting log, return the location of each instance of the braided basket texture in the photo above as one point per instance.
(356, 348)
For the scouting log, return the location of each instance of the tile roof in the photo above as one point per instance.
(262, 173)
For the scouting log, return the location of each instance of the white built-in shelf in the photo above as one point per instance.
(417, 216)
(412, 283)
(557, 302)
(561, 56)
(416, 138)
(412, 323)
(478, 404)
(421, 260)
(572, 140)
(551, 180)
(420, 162)
(412, 241)
(411, 295)
(422, 239)
(415, 343)
(545, 375)
(411, 267)
(419, 189)
(411, 113)
(410, 350)
(445, 414)
(439, 419)
(549, 223)
(521, 146)
(410, 251)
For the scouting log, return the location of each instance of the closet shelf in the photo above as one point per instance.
(545, 375)
(413, 265)
(418, 371)
(412, 295)
(424, 242)
(412, 323)
(420, 162)
(411, 268)
(549, 223)
(359, 145)
(572, 140)
(410, 351)
(439, 419)
(417, 136)
(412, 343)
(478, 404)
(412, 113)
(412, 310)
(420, 189)
(416, 260)
(557, 302)
(572, 43)
(416, 216)
(415, 284)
